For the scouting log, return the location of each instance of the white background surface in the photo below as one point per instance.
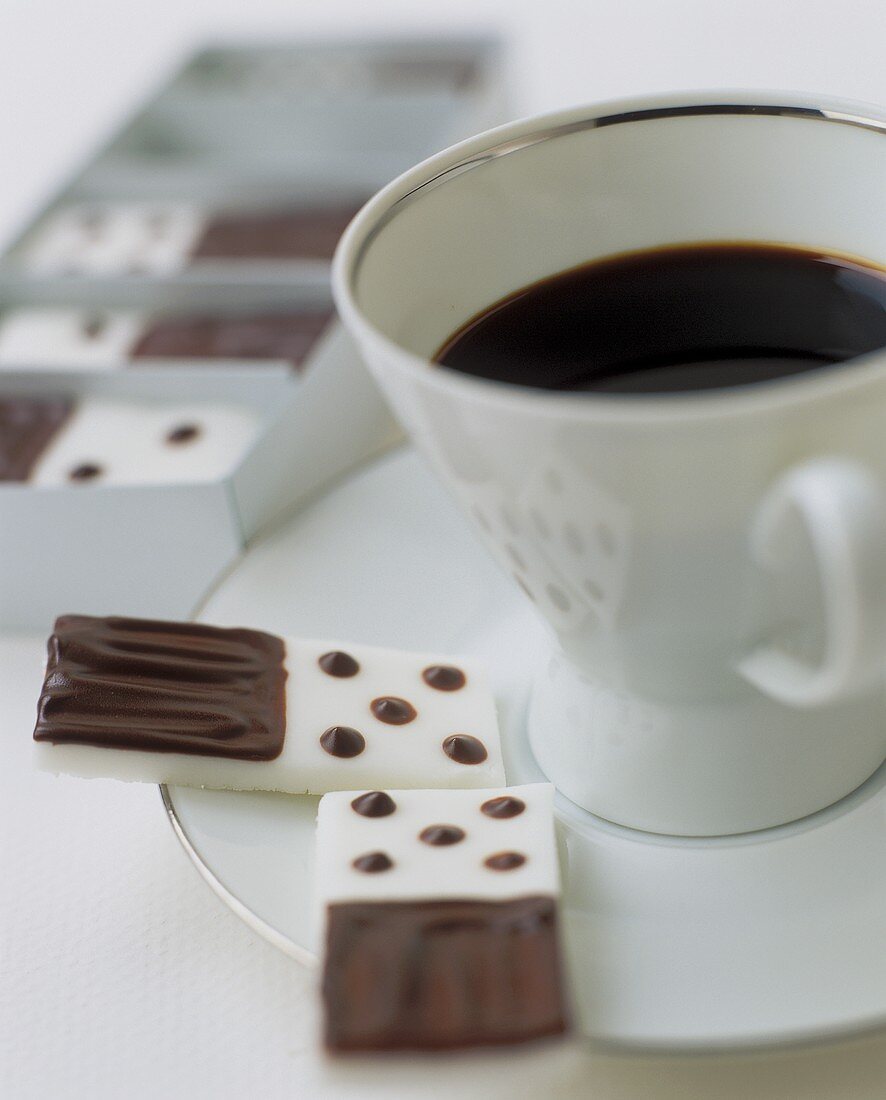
(121, 975)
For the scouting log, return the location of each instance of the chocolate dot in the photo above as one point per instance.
(444, 677)
(374, 804)
(505, 806)
(342, 741)
(338, 663)
(86, 471)
(184, 433)
(464, 749)
(373, 862)
(504, 861)
(441, 835)
(394, 711)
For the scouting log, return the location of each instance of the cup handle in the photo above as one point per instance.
(840, 505)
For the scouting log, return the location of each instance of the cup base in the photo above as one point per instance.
(712, 768)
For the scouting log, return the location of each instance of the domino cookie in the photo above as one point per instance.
(440, 914)
(195, 705)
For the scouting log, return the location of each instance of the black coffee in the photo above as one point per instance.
(692, 317)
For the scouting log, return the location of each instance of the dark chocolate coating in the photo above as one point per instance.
(27, 424)
(288, 336)
(164, 687)
(440, 975)
(300, 233)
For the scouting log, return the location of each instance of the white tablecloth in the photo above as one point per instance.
(121, 975)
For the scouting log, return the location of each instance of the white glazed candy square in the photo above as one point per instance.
(112, 239)
(62, 338)
(112, 443)
(347, 716)
(403, 719)
(411, 845)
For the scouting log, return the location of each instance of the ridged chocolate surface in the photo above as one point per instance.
(436, 975)
(26, 426)
(164, 687)
(304, 233)
(289, 336)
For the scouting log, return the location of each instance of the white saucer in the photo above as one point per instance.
(770, 938)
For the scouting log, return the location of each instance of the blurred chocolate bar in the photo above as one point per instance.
(26, 427)
(309, 232)
(137, 684)
(289, 336)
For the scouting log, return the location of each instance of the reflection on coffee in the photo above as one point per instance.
(677, 319)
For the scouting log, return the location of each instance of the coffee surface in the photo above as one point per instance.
(678, 319)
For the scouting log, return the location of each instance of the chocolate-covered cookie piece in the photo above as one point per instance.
(441, 919)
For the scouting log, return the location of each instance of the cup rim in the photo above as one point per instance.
(511, 137)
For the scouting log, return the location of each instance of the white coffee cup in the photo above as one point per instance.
(713, 564)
